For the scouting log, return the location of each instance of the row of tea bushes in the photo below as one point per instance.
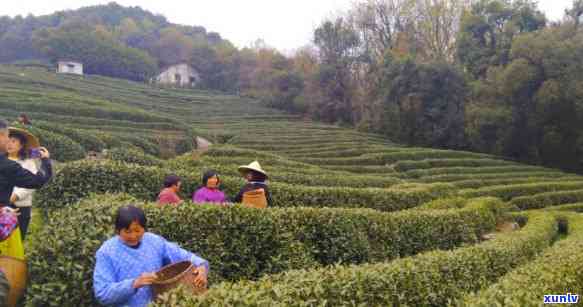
(510, 191)
(243, 243)
(430, 279)
(557, 271)
(547, 199)
(78, 179)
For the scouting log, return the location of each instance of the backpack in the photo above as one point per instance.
(255, 199)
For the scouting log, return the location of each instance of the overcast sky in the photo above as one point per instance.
(283, 24)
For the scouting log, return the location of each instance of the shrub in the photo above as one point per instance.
(77, 180)
(547, 199)
(133, 155)
(86, 139)
(554, 272)
(471, 170)
(507, 192)
(243, 243)
(430, 279)
(404, 166)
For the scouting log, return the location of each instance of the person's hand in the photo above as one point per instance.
(44, 153)
(200, 281)
(145, 279)
(13, 198)
(10, 211)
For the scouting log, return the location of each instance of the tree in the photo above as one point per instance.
(487, 31)
(427, 103)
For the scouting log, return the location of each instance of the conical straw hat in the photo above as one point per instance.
(253, 166)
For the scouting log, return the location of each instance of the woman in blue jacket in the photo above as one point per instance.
(126, 264)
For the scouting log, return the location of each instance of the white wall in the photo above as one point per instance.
(65, 67)
(184, 73)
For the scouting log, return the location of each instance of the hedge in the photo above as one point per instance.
(86, 139)
(132, 155)
(243, 243)
(558, 271)
(479, 183)
(308, 177)
(460, 177)
(77, 180)
(429, 279)
(404, 166)
(576, 207)
(548, 199)
(470, 170)
(62, 148)
(392, 157)
(508, 192)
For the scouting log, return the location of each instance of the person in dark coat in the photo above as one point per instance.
(255, 193)
(13, 175)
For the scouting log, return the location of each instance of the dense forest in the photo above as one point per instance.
(492, 76)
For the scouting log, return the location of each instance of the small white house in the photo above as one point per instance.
(180, 74)
(70, 67)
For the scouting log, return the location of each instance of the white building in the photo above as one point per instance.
(70, 67)
(180, 74)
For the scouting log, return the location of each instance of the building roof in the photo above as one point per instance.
(70, 61)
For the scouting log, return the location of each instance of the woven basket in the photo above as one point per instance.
(16, 273)
(255, 199)
(173, 275)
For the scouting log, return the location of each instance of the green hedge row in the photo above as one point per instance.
(577, 207)
(81, 110)
(77, 180)
(132, 155)
(307, 177)
(547, 199)
(471, 170)
(510, 191)
(243, 243)
(557, 271)
(404, 166)
(392, 157)
(480, 183)
(364, 169)
(430, 279)
(460, 177)
(62, 148)
(86, 139)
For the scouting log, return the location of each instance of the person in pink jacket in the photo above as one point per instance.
(209, 192)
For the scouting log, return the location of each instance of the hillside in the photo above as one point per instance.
(355, 214)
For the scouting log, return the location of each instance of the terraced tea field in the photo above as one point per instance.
(357, 220)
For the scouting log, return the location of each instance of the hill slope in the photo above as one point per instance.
(391, 215)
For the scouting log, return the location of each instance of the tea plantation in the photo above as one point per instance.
(357, 220)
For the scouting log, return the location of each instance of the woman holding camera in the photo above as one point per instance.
(20, 149)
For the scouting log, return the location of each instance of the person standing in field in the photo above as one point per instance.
(255, 193)
(169, 195)
(19, 149)
(209, 192)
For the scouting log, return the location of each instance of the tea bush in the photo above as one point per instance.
(429, 279)
(547, 199)
(243, 243)
(86, 139)
(77, 180)
(554, 272)
(132, 155)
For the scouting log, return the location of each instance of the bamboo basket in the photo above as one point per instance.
(173, 275)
